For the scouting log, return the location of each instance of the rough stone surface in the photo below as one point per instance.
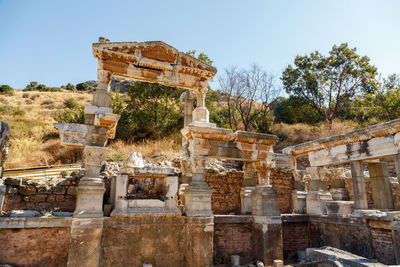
(233, 239)
(157, 239)
(295, 237)
(34, 247)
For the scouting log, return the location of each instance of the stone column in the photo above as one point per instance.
(200, 221)
(380, 185)
(85, 242)
(89, 202)
(4, 136)
(360, 195)
(268, 245)
(201, 116)
(101, 96)
(198, 193)
(264, 197)
(187, 100)
(397, 164)
(249, 183)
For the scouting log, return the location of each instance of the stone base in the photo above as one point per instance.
(89, 202)
(245, 199)
(299, 201)
(201, 235)
(339, 208)
(268, 239)
(264, 201)
(316, 202)
(198, 200)
(85, 243)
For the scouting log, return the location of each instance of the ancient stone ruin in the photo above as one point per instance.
(228, 201)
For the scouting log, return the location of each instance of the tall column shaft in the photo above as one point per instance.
(380, 186)
(397, 164)
(360, 195)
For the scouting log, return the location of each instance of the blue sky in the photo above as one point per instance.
(49, 41)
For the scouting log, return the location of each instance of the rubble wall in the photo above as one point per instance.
(295, 236)
(34, 246)
(232, 238)
(282, 180)
(225, 187)
(345, 234)
(382, 243)
(40, 195)
(161, 240)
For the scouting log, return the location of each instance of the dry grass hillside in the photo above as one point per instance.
(35, 142)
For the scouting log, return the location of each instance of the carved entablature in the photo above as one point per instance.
(153, 61)
(374, 142)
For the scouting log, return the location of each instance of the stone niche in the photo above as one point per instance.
(145, 188)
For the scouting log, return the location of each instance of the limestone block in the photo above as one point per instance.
(339, 194)
(264, 201)
(299, 201)
(89, 202)
(316, 202)
(339, 208)
(235, 260)
(121, 184)
(246, 199)
(198, 200)
(79, 135)
(171, 184)
(316, 185)
(146, 203)
(135, 159)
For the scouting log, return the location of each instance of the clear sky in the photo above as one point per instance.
(49, 41)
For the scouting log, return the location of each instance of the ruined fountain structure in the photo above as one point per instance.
(183, 224)
(158, 62)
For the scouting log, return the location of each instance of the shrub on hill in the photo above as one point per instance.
(4, 88)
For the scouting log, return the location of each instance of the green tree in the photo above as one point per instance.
(84, 87)
(381, 105)
(201, 56)
(4, 88)
(330, 83)
(152, 111)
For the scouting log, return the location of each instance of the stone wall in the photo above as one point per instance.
(34, 246)
(225, 187)
(382, 243)
(144, 238)
(41, 195)
(295, 236)
(233, 238)
(282, 180)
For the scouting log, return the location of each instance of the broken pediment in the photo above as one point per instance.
(153, 61)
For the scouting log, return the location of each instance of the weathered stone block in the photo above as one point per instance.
(12, 181)
(71, 190)
(44, 190)
(27, 190)
(59, 190)
(51, 199)
(38, 198)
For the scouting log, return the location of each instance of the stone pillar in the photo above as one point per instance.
(268, 244)
(89, 202)
(200, 232)
(198, 193)
(318, 195)
(101, 97)
(187, 100)
(201, 116)
(249, 182)
(85, 242)
(264, 197)
(397, 164)
(380, 185)
(121, 187)
(360, 195)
